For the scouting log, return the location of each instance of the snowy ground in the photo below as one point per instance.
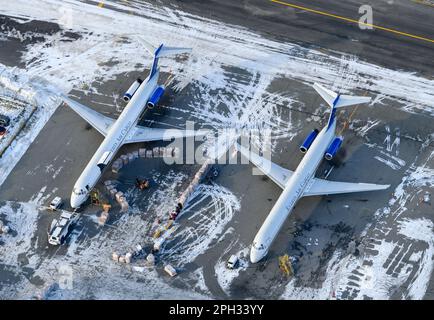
(15, 112)
(388, 265)
(105, 49)
(16, 84)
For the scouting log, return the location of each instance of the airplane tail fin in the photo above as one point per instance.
(161, 52)
(170, 51)
(335, 100)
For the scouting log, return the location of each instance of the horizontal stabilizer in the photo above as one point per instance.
(276, 173)
(345, 100)
(149, 47)
(170, 51)
(162, 51)
(322, 187)
(328, 95)
(335, 100)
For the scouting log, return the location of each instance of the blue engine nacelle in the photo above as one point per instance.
(333, 148)
(132, 89)
(156, 96)
(308, 141)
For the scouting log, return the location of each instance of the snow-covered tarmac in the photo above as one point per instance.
(234, 78)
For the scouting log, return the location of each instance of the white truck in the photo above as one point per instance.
(60, 228)
(232, 262)
(171, 271)
(56, 203)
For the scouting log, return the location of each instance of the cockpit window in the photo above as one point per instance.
(258, 246)
(78, 192)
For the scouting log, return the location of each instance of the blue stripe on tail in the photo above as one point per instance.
(155, 62)
(333, 112)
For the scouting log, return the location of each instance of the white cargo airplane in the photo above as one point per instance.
(301, 182)
(142, 95)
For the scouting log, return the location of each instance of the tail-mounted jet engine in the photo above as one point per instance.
(308, 141)
(333, 148)
(156, 96)
(132, 89)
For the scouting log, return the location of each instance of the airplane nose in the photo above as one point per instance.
(255, 255)
(75, 201)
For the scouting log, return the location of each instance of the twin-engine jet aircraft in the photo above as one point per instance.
(142, 95)
(301, 182)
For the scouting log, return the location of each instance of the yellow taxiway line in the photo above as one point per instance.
(352, 20)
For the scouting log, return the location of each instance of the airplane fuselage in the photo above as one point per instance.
(113, 141)
(293, 190)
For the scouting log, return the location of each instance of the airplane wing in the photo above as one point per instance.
(144, 134)
(96, 119)
(316, 187)
(321, 187)
(138, 134)
(276, 173)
